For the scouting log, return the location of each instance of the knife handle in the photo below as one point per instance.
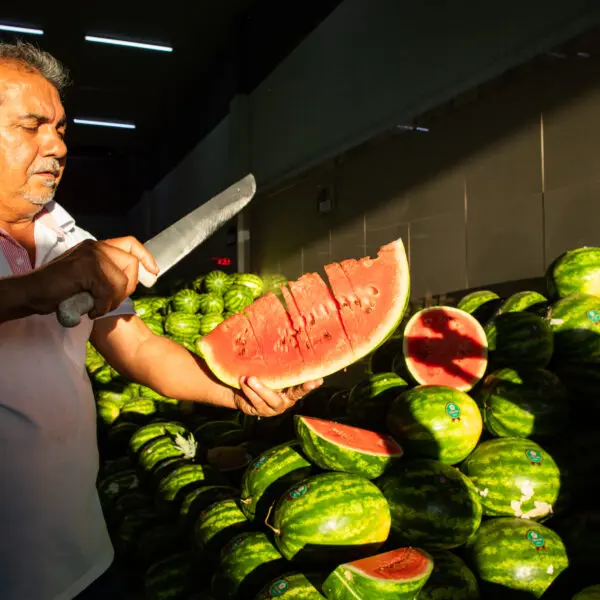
(71, 310)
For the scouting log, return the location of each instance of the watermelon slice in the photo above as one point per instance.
(399, 575)
(334, 328)
(445, 346)
(337, 447)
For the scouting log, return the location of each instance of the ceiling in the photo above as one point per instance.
(220, 48)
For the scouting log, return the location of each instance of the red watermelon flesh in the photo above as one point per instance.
(304, 345)
(403, 563)
(380, 294)
(320, 316)
(445, 346)
(235, 341)
(366, 288)
(276, 337)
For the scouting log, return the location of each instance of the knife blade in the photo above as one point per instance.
(174, 243)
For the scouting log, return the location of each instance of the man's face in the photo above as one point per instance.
(32, 149)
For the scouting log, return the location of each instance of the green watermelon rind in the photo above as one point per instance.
(574, 272)
(438, 422)
(514, 477)
(220, 515)
(507, 548)
(334, 456)
(348, 582)
(473, 301)
(300, 514)
(451, 579)
(293, 586)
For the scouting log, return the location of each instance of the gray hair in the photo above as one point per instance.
(34, 60)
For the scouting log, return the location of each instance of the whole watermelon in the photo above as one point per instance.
(518, 554)
(186, 301)
(451, 579)
(237, 297)
(514, 477)
(211, 304)
(575, 321)
(293, 586)
(218, 524)
(182, 324)
(525, 403)
(435, 421)
(529, 301)
(576, 271)
(253, 282)
(331, 518)
(482, 304)
(519, 339)
(432, 505)
(216, 282)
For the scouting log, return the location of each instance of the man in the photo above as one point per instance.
(54, 544)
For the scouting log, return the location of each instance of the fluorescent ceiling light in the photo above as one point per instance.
(4, 27)
(103, 40)
(104, 123)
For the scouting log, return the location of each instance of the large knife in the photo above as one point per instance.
(174, 243)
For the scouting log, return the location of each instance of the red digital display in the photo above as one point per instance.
(222, 261)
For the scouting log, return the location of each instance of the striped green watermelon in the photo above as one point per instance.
(154, 430)
(182, 324)
(168, 578)
(370, 399)
(186, 301)
(518, 554)
(166, 447)
(437, 422)
(338, 447)
(530, 301)
(237, 297)
(293, 586)
(209, 322)
(576, 271)
(143, 307)
(117, 484)
(321, 330)
(395, 575)
(246, 563)
(524, 403)
(329, 517)
(589, 593)
(481, 304)
(451, 579)
(138, 409)
(211, 304)
(216, 282)
(519, 339)
(575, 321)
(432, 504)
(198, 283)
(155, 326)
(219, 523)
(118, 398)
(253, 282)
(445, 346)
(514, 477)
(269, 475)
(146, 392)
(108, 411)
(178, 480)
(197, 499)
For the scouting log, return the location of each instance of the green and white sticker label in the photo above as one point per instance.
(235, 543)
(279, 588)
(536, 540)
(453, 411)
(298, 491)
(260, 462)
(534, 457)
(594, 316)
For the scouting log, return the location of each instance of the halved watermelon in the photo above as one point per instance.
(337, 447)
(399, 575)
(333, 328)
(445, 346)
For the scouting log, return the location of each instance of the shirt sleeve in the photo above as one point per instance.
(77, 235)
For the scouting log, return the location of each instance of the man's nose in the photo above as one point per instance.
(53, 144)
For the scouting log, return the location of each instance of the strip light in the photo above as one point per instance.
(103, 40)
(16, 29)
(104, 123)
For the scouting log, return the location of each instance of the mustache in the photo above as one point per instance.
(48, 165)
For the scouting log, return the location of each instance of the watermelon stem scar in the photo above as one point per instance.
(273, 529)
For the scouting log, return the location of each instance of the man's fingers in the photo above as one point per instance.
(132, 246)
(266, 402)
(108, 287)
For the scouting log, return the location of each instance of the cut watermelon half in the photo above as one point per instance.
(399, 575)
(332, 327)
(445, 346)
(337, 447)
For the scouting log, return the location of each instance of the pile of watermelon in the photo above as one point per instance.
(461, 466)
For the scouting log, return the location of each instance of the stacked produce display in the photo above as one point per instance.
(462, 466)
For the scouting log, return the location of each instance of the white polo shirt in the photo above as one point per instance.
(53, 537)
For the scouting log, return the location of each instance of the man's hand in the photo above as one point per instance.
(257, 400)
(108, 270)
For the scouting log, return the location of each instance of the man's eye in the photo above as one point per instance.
(30, 128)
